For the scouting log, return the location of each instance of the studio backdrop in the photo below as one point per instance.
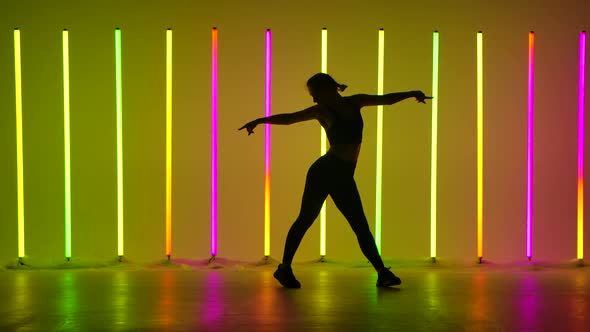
(119, 128)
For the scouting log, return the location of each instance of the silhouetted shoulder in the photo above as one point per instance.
(309, 113)
(362, 100)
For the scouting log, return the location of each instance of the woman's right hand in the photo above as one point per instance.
(250, 127)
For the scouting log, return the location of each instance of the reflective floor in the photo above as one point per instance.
(333, 297)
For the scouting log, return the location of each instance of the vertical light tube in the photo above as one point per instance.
(19, 144)
(379, 171)
(169, 143)
(530, 137)
(323, 142)
(119, 104)
(581, 135)
(67, 169)
(480, 145)
(434, 145)
(267, 112)
(214, 146)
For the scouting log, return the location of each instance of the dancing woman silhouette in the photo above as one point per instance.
(333, 173)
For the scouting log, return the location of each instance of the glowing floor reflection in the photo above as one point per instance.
(333, 298)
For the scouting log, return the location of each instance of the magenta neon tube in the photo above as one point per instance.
(581, 111)
(214, 146)
(267, 112)
(531, 110)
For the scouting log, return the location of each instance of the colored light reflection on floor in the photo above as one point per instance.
(527, 304)
(214, 308)
(479, 306)
(121, 300)
(69, 304)
(579, 308)
(248, 298)
(167, 304)
(432, 299)
(23, 302)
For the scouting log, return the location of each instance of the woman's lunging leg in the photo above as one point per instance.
(347, 199)
(314, 195)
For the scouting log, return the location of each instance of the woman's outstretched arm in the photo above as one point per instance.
(282, 119)
(388, 99)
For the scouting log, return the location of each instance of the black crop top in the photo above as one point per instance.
(346, 129)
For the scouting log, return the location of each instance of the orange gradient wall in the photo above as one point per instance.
(352, 59)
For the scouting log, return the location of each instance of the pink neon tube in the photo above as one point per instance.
(214, 146)
(267, 112)
(531, 109)
(581, 99)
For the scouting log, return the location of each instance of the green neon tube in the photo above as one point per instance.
(323, 144)
(68, 186)
(19, 143)
(379, 173)
(119, 94)
(434, 145)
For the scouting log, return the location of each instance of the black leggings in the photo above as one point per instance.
(335, 177)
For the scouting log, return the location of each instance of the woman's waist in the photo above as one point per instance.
(347, 152)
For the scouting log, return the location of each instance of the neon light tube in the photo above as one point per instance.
(267, 112)
(119, 93)
(581, 100)
(323, 144)
(434, 145)
(379, 172)
(214, 146)
(19, 143)
(67, 168)
(169, 142)
(480, 145)
(531, 110)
